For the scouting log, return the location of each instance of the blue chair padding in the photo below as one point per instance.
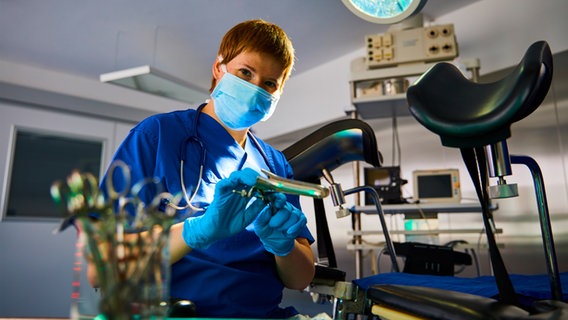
(529, 288)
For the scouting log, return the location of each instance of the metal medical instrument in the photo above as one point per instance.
(78, 195)
(125, 233)
(276, 183)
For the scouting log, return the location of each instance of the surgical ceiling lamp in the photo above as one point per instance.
(151, 80)
(384, 11)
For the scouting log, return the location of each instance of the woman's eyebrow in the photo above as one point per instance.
(252, 69)
(246, 65)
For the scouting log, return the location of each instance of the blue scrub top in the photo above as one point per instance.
(234, 277)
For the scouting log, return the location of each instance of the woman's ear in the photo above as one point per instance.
(216, 69)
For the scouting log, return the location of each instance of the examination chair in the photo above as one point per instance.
(313, 158)
(476, 118)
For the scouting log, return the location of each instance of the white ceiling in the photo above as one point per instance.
(90, 37)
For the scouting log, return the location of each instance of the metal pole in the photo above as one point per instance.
(545, 226)
(356, 218)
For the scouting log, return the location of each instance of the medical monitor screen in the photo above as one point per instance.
(439, 186)
(377, 177)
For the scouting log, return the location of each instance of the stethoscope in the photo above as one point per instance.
(194, 138)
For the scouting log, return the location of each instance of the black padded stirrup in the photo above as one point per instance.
(475, 162)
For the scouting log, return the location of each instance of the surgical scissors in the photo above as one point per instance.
(80, 197)
(115, 226)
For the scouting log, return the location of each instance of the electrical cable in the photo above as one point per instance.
(476, 261)
(375, 198)
(395, 143)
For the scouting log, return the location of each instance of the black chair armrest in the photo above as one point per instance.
(432, 303)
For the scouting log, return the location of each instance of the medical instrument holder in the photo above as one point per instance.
(126, 241)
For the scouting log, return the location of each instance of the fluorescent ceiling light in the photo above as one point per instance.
(153, 81)
(384, 11)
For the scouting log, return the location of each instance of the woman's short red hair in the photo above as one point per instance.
(258, 36)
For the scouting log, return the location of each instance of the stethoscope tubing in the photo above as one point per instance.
(194, 137)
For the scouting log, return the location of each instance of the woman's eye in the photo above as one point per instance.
(245, 72)
(270, 84)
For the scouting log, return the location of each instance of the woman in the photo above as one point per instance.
(231, 255)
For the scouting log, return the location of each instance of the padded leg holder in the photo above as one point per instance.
(410, 302)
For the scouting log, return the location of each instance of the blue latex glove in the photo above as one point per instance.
(227, 215)
(279, 224)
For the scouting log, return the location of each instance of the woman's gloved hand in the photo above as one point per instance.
(227, 215)
(279, 224)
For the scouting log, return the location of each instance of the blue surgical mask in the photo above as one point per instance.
(240, 104)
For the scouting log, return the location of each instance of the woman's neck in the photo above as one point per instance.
(240, 136)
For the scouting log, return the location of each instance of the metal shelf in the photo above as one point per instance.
(382, 106)
(422, 232)
(412, 208)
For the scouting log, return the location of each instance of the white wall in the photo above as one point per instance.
(322, 94)
(79, 95)
(36, 268)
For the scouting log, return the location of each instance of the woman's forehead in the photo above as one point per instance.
(260, 62)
